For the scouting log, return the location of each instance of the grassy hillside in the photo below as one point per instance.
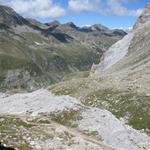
(42, 57)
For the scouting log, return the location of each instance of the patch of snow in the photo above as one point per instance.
(41, 101)
(37, 43)
(113, 131)
(115, 53)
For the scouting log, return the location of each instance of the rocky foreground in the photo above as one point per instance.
(41, 120)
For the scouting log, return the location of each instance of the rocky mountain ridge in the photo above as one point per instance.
(33, 54)
(9, 17)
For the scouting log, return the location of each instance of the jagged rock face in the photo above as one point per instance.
(144, 18)
(37, 23)
(10, 18)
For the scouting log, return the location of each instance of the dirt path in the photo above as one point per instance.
(73, 132)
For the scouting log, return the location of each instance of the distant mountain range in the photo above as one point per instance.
(33, 54)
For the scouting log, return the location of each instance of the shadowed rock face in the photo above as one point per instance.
(126, 71)
(9, 17)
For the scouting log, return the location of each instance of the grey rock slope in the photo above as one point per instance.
(33, 54)
(94, 128)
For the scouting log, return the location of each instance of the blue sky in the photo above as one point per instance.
(111, 13)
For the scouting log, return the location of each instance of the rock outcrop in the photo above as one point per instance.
(144, 18)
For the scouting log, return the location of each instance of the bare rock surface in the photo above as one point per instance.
(115, 53)
(41, 101)
(113, 132)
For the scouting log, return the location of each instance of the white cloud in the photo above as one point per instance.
(116, 7)
(110, 7)
(84, 5)
(37, 8)
(49, 9)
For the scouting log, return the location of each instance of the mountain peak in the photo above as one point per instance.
(71, 24)
(55, 22)
(6, 9)
(95, 27)
(99, 27)
(144, 17)
(67, 26)
(9, 17)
